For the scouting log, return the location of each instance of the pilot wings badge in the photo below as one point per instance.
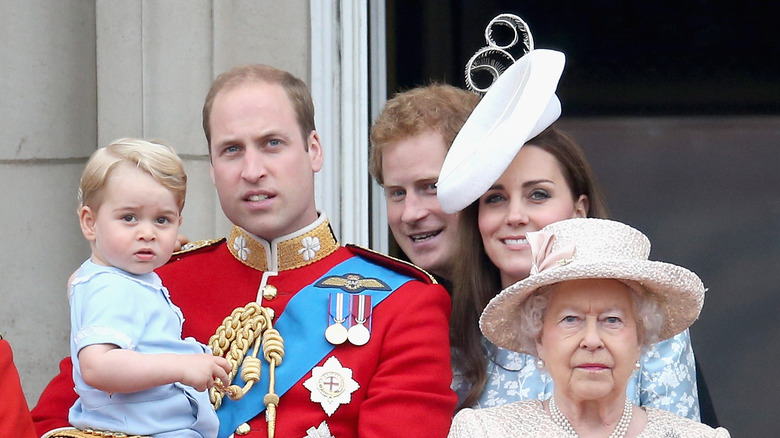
(353, 283)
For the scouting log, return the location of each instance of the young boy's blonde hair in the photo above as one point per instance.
(155, 157)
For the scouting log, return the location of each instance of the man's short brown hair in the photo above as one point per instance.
(435, 107)
(296, 90)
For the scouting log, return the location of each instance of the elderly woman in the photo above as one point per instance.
(592, 303)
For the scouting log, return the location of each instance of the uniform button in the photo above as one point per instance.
(269, 292)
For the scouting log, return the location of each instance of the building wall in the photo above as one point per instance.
(76, 75)
(48, 118)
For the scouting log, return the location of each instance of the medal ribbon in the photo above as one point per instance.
(301, 326)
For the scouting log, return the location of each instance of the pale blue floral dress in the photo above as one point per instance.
(666, 378)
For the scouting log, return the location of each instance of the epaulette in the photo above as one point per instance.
(198, 245)
(393, 263)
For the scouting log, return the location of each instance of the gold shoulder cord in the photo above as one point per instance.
(247, 327)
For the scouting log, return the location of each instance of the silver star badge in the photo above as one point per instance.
(331, 385)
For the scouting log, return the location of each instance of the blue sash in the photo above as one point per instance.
(302, 325)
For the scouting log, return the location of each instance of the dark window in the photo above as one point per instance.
(683, 57)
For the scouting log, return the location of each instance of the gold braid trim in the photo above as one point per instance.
(88, 433)
(295, 251)
(248, 326)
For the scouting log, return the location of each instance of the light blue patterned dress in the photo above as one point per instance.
(666, 378)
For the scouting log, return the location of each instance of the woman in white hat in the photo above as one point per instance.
(591, 304)
(507, 190)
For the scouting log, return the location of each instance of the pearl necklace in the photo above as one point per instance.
(620, 430)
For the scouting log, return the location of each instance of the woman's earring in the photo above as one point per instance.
(637, 365)
(540, 364)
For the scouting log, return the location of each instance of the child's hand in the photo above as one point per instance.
(112, 369)
(200, 370)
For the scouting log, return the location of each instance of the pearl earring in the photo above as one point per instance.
(540, 364)
(637, 365)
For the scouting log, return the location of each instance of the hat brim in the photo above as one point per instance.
(519, 106)
(679, 292)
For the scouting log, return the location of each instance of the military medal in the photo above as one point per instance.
(331, 385)
(358, 333)
(336, 333)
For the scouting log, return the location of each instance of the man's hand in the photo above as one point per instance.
(181, 240)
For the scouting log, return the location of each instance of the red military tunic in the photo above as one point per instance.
(403, 372)
(15, 418)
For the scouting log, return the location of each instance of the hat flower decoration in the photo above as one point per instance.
(544, 255)
(517, 106)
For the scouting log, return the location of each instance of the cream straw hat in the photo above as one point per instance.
(584, 248)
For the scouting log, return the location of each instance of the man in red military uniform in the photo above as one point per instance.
(365, 344)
